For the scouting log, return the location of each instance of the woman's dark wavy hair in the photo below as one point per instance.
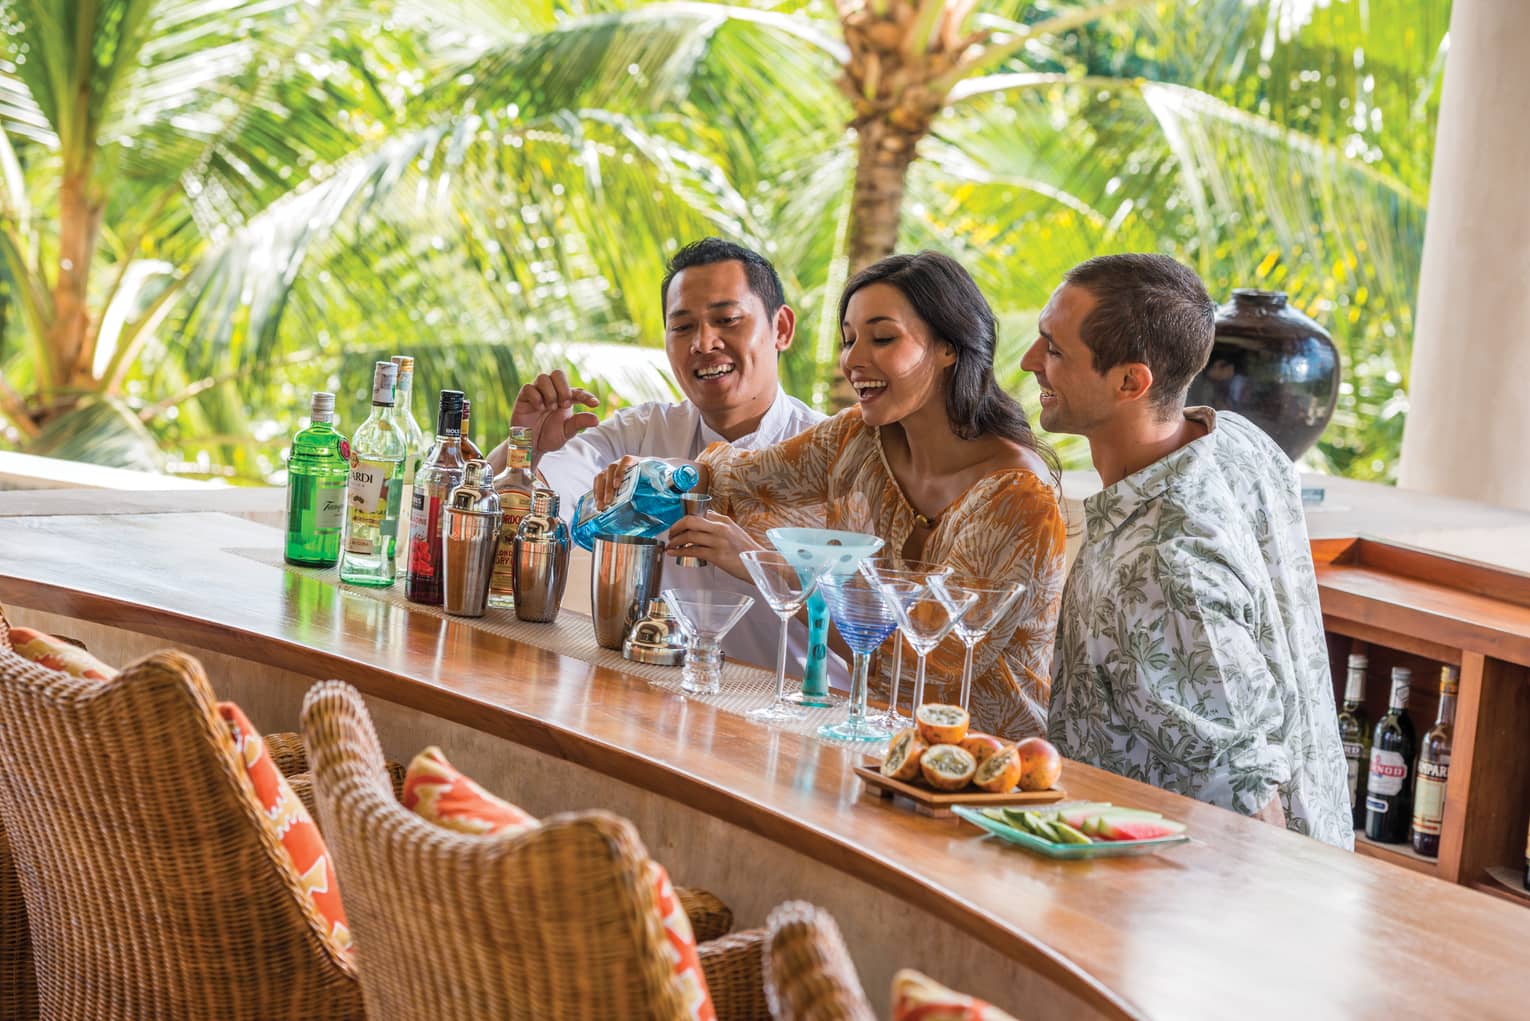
(946, 297)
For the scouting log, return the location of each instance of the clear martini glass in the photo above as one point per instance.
(785, 589)
(705, 618)
(991, 600)
(864, 618)
(924, 620)
(883, 569)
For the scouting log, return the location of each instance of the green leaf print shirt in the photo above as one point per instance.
(1190, 651)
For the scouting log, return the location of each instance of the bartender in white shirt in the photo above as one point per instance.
(726, 323)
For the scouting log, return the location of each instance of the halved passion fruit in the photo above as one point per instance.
(981, 745)
(942, 724)
(947, 767)
(999, 773)
(903, 754)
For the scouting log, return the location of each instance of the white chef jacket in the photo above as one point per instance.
(678, 431)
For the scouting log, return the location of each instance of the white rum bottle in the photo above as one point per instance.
(378, 452)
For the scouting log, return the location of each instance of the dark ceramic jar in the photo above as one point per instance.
(1272, 365)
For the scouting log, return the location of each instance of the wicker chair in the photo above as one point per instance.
(808, 972)
(152, 888)
(556, 922)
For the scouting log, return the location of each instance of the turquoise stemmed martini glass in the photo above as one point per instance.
(826, 552)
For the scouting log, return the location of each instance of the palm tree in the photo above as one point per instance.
(518, 193)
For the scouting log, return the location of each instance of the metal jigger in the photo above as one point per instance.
(694, 503)
(540, 568)
(656, 639)
(470, 541)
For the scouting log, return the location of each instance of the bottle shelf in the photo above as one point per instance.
(1505, 884)
(1397, 854)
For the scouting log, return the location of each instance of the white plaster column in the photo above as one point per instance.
(1468, 428)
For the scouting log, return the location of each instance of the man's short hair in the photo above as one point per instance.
(763, 280)
(1148, 309)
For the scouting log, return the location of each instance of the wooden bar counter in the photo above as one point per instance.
(1245, 921)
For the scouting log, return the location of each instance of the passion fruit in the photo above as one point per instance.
(981, 745)
(999, 773)
(947, 767)
(1040, 764)
(903, 754)
(942, 724)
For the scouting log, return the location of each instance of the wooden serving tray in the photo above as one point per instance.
(937, 804)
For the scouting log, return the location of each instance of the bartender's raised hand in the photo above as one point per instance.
(716, 538)
(610, 480)
(546, 406)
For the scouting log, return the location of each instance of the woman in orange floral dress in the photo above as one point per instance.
(935, 459)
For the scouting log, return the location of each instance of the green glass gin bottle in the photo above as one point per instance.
(317, 471)
(378, 452)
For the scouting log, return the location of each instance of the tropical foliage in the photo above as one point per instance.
(209, 208)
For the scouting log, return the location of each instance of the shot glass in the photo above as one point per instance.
(697, 504)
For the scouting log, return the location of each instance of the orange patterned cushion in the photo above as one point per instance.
(57, 654)
(285, 815)
(919, 998)
(437, 791)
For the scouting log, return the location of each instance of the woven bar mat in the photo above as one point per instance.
(744, 687)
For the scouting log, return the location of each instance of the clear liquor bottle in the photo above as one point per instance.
(515, 486)
(469, 448)
(378, 452)
(1434, 769)
(438, 476)
(646, 503)
(1388, 794)
(1355, 734)
(414, 436)
(317, 471)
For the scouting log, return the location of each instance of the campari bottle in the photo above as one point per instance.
(317, 471)
(646, 503)
(1388, 794)
(438, 476)
(1434, 769)
(1355, 733)
(378, 452)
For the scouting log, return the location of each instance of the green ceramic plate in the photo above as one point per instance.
(1031, 842)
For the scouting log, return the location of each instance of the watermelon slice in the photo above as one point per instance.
(1126, 828)
(1079, 815)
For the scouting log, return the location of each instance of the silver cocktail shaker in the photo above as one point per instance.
(541, 560)
(470, 540)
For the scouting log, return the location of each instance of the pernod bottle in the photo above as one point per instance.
(1355, 733)
(646, 503)
(1388, 794)
(317, 470)
(419, 444)
(433, 484)
(378, 452)
(515, 486)
(1434, 768)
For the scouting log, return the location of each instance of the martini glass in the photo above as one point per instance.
(992, 599)
(864, 619)
(705, 618)
(813, 550)
(882, 569)
(926, 619)
(785, 589)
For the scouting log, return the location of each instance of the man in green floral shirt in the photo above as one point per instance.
(1190, 651)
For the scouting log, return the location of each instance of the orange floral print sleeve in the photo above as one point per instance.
(1008, 527)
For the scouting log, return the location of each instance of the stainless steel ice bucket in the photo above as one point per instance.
(625, 574)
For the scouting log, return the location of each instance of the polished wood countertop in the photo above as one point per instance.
(1245, 921)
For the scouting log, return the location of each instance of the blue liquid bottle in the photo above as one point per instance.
(647, 503)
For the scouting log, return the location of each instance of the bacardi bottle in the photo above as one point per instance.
(1355, 733)
(646, 503)
(1434, 768)
(378, 452)
(469, 448)
(515, 486)
(437, 477)
(317, 471)
(1388, 794)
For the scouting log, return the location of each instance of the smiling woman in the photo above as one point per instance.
(935, 459)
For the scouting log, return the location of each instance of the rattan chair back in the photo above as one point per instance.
(809, 975)
(18, 981)
(558, 922)
(152, 888)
